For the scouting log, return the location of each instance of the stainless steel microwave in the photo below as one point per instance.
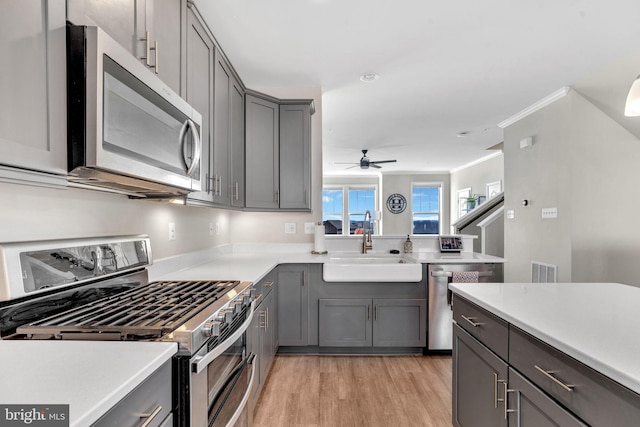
(127, 130)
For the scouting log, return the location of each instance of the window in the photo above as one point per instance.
(346, 203)
(425, 206)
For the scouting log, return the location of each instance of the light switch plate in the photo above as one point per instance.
(290, 228)
(511, 214)
(172, 231)
(309, 227)
(549, 213)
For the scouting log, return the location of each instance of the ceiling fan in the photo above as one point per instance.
(365, 162)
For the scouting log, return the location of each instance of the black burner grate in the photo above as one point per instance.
(143, 312)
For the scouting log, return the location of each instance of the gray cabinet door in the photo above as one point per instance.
(237, 145)
(532, 407)
(128, 21)
(221, 134)
(345, 322)
(295, 156)
(399, 322)
(267, 343)
(200, 53)
(293, 305)
(478, 383)
(164, 21)
(33, 85)
(262, 154)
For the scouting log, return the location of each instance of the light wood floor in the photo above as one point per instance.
(346, 391)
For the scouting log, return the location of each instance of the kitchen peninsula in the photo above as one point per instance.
(547, 343)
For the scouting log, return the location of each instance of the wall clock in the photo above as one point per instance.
(396, 203)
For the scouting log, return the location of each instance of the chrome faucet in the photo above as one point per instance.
(367, 243)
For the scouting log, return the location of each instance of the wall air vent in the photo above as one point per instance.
(543, 273)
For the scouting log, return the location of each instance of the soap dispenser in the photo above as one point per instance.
(408, 245)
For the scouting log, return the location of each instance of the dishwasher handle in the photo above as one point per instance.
(449, 274)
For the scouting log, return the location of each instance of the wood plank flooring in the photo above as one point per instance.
(350, 391)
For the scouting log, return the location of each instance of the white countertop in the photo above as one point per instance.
(90, 376)
(252, 266)
(595, 323)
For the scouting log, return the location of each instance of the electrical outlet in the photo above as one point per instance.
(511, 214)
(549, 213)
(211, 229)
(309, 227)
(172, 231)
(290, 228)
(218, 230)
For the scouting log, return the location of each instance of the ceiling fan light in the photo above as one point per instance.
(632, 106)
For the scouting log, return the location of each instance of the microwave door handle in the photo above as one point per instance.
(201, 362)
(197, 146)
(247, 393)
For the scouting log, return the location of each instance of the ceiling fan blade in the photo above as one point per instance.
(383, 161)
(373, 165)
(346, 163)
(354, 166)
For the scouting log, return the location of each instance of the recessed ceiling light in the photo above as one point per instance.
(369, 77)
(463, 134)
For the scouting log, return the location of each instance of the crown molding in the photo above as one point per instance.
(559, 94)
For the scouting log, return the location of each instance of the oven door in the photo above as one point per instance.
(221, 380)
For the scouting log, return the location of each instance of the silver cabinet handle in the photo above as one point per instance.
(277, 197)
(495, 391)
(471, 321)
(150, 416)
(506, 401)
(375, 312)
(306, 197)
(368, 312)
(155, 49)
(268, 284)
(237, 195)
(549, 374)
(219, 185)
(147, 49)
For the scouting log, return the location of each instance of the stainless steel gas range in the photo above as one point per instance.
(97, 289)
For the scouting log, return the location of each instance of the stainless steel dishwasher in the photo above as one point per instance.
(439, 327)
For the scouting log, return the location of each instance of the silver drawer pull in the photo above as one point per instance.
(507, 390)
(150, 416)
(549, 374)
(496, 399)
(268, 284)
(471, 321)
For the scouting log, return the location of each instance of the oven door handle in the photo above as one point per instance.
(243, 403)
(200, 363)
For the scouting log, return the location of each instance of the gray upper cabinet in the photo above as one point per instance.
(150, 29)
(200, 56)
(228, 144)
(262, 154)
(33, 85)
(237, 145)
(295, 157)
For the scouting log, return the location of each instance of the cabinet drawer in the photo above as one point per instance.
(596, 399)
(151, 398)
(487, 328)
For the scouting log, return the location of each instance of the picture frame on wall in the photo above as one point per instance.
(493, 189)
(463, 194)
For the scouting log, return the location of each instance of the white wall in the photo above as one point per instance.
(586, 165)
(35, 213)
(398, 224)
(476, 177)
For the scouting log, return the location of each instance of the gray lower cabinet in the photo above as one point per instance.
(478, 389)
(33, 86)
(148, 404)
(200, 56)
(262, 336)
(150, 29)
(543, 386)
(355, 322)
(535, 408)
(293, 305)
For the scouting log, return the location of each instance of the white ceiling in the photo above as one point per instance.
(445, 67)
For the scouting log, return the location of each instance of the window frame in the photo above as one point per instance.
(429, 184)
(346, 218)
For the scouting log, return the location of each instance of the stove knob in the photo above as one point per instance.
(246, 299)
(227, 315)
(237, 307)
(212, 328)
